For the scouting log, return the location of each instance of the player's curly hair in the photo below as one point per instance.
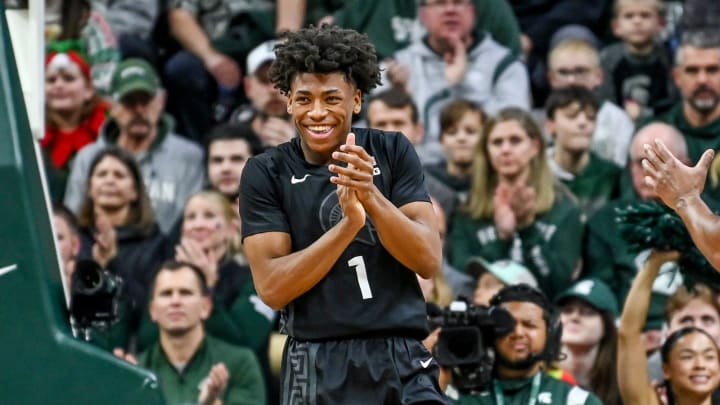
(326, 49)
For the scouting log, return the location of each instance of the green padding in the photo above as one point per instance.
(41, 362)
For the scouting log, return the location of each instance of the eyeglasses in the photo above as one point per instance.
(446, 3)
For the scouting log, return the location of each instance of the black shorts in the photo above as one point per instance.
(360, 371)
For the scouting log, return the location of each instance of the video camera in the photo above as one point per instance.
(94, 296)
(465, 344)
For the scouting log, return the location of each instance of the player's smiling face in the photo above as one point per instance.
(322, 106)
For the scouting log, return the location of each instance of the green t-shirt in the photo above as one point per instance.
(550, 247)
(245, 385)
(551, 391)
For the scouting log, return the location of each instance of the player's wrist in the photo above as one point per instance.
(686, 201)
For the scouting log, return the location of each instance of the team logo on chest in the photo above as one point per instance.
(331, 213)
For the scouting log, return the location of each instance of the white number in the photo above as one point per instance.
(359, 263)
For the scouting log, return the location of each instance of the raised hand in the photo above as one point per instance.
(398, 75)
(214, 385)
(672, 180)
(119, 352)
(522, 203)
(456, 61)
(190, 251)
(358, 174)
(349, 202)
(275, 131)
(224, 69)
(105, 247)
(503, 214)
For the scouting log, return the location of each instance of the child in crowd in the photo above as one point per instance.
(571, 114)
(461, 124)
(638, 68)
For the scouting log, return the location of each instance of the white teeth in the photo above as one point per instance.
(699, 379)
(320, 129)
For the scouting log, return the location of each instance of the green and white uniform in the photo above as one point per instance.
(550, 247)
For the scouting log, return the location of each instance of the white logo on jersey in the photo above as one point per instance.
(294, 180)
(545, 398)
(425, 363)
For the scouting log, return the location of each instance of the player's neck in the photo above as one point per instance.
(317, 158)
(179, 349)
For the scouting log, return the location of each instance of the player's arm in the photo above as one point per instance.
(409, 233)
(633, 380)
(679, 186)
(281, 275)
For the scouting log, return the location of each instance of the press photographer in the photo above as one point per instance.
(517, 375)
(462, 343)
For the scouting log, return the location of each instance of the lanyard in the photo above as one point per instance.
(534, 390)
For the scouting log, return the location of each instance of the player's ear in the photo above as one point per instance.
(357, 99)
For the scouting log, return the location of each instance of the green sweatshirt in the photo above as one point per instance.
(245, 385)
(517, 392)
(594, 186)
(550, 247)
(698, 138)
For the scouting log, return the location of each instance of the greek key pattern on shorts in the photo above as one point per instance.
(299, 369)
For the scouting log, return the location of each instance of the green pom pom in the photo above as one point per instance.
(650, 225)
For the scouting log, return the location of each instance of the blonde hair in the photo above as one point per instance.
(217, 198)
(574, 46)
(485, 178)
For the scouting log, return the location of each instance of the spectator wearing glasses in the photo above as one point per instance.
(576, 62)
(454, 61)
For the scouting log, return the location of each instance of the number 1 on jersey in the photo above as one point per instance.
(359, 263)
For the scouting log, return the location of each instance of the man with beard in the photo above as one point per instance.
(697, 76)
(266, 116)
(171, 165)
(518, 377)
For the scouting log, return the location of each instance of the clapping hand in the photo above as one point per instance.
(214, 385)
(189, 250)
(105, 247)
(456, 60)
(355, 181)
(672, 180)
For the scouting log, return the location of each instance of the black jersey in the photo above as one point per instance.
(367, 291)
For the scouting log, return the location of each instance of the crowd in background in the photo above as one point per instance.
(529, 117)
